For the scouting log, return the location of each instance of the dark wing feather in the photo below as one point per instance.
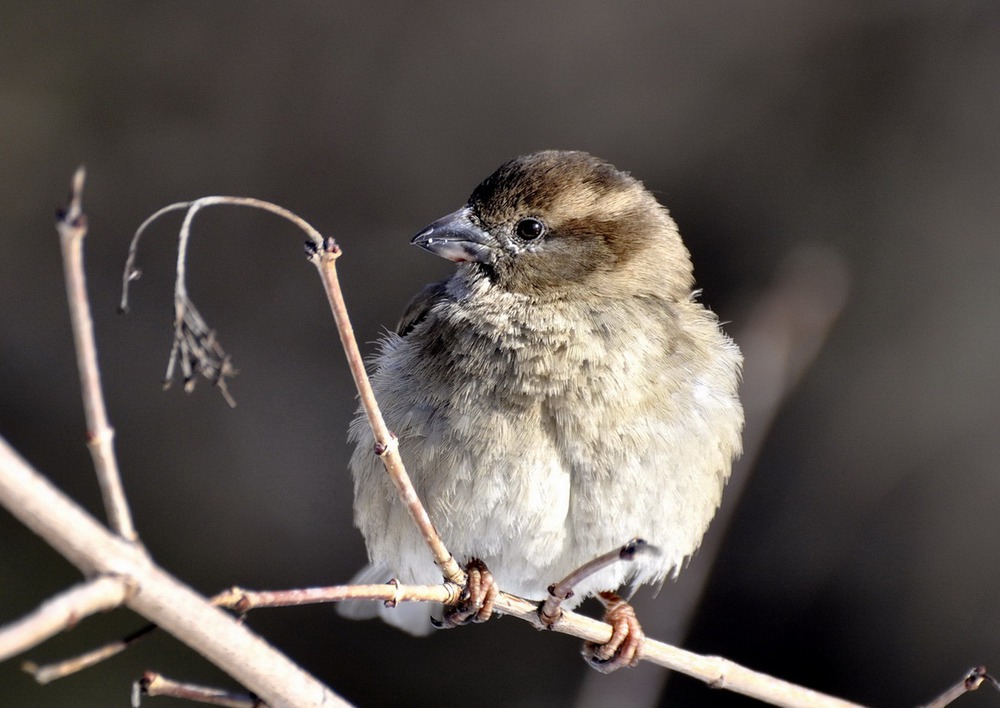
(419, 306)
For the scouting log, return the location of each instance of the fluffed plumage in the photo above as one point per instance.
(561, 393)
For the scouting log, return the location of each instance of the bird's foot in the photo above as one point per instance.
(476, 601)
(627, 637)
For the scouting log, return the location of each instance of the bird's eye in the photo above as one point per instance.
(529, 229)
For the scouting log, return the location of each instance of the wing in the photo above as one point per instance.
(419, 306)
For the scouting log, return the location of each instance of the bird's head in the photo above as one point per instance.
(555, 222)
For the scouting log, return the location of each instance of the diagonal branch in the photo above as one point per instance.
(559, 592)
(158, 596)
(386, 444)
(972, 680)
(62, 612)
(47, 673)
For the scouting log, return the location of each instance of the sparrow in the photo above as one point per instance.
(561, 393)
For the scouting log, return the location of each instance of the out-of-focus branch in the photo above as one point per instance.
(46, 673)
(61, 612)
(158, 596)
(970, 682)
(72, 227)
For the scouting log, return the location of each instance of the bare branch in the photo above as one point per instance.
(392, 593)
(67, 667)
(386, 445)
(970, 682)
(714, 671)
(563, 590)
(60, 613)
(71, 223)
(158, 596)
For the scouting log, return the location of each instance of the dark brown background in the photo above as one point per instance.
(862, 559)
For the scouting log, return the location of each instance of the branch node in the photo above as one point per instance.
(384, 448)
(550, 612)
(632, 548)
(331, 248)
(394, 600)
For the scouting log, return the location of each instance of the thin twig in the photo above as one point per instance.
(241, 601)
(386, 444)
(563, 590)
(61, 612)
(970, 682)
(154, 684)
(71, 223)
(47, 673)
(191, 335)
(392, 593)
(132, 272)
(714, 671)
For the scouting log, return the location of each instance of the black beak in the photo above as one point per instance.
(456, 238)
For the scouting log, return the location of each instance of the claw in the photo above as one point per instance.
(627, 637)
(476, 604)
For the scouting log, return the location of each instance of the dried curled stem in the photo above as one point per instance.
(195, 345)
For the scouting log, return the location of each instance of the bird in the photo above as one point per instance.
(562, 392)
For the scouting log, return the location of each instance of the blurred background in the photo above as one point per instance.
(860, 559)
